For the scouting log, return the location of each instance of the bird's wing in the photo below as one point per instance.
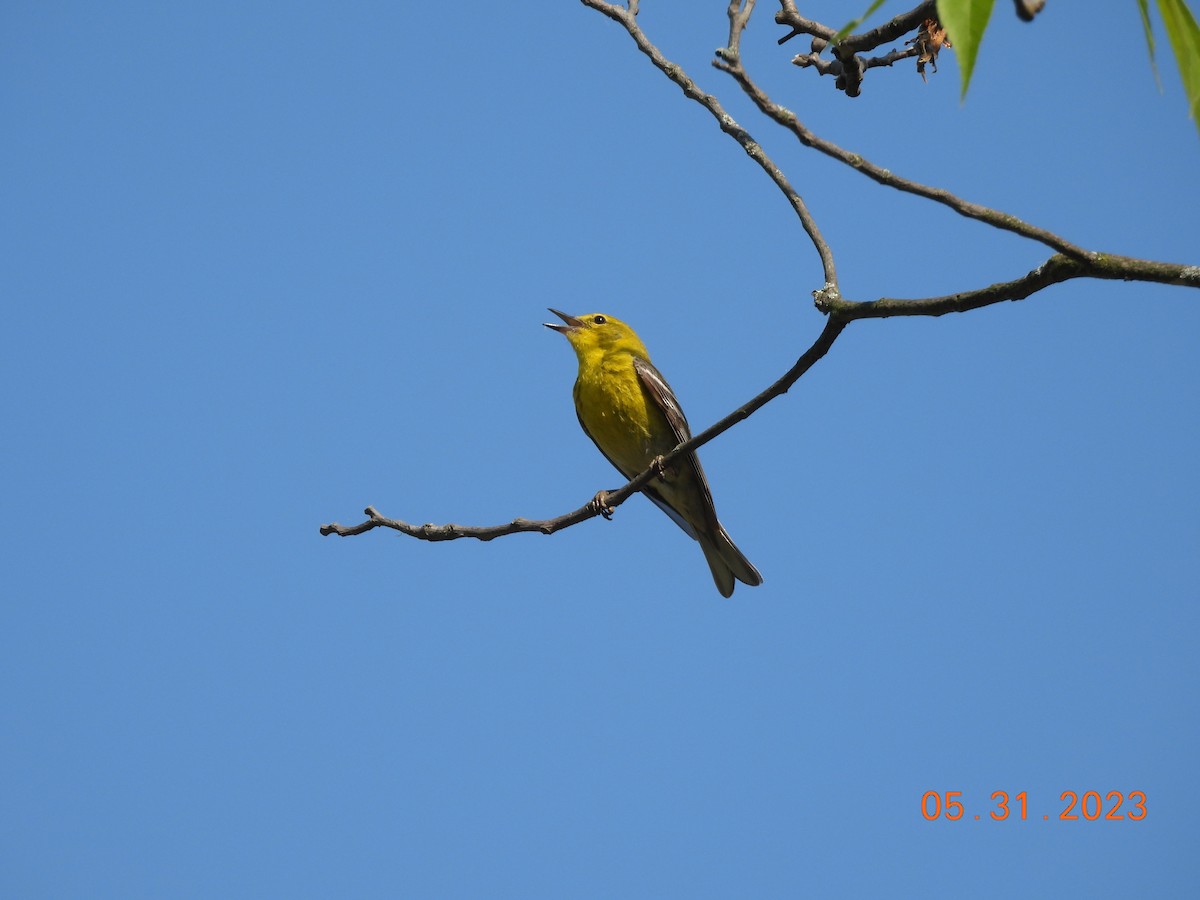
(664, 398)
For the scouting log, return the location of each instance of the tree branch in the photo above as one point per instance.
(611, 500)
(726, 122)
(375, 519)
(888, 31)
(1068, 262)
(788, 119)
(1056, 269)
(789, 15)
(847, 64)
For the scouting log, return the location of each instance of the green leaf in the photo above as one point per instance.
(965, 22)
(854, 23)
(1144, 9)
(1184, 34)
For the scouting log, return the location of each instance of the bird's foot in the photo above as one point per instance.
(659, 468)
(600, 505)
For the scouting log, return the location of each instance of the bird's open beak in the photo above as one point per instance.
(572, 322)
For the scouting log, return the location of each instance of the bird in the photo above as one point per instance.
(631, 414)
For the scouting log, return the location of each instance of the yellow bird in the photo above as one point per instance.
(630, 412)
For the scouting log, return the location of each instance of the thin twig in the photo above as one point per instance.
(726, 122)
(835, 67)
(452, 532)
(739, 16)
(994, 217)
(872, 62)
(1055, 270)
(789, 15)
(889, 31)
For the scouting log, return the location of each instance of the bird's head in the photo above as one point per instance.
(597, 334)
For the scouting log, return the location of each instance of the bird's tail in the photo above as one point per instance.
(726, 561)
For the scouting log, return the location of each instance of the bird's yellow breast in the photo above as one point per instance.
(616, 413)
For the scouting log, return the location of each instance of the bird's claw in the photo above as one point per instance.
(659, 468)
(600, 505)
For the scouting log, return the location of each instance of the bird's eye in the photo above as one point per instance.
(599, 320)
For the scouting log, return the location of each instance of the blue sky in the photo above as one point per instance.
(266, 264)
